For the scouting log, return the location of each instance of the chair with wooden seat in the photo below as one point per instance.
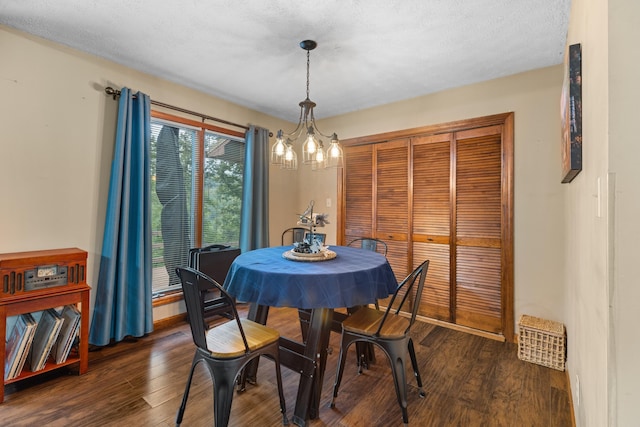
(370, 244)
(388, 330)
(292, 235)
(224, 349)
(364, 353)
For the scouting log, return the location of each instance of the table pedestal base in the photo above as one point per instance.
(308, 359)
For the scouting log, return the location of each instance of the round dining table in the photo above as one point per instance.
(266, 278)
(354, 277)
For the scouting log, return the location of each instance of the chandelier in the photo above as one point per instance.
(313, 150)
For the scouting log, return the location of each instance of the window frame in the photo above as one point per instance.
(172, 295)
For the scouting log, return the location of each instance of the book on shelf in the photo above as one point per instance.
(70, 327)
(18, 345)
(45, 336)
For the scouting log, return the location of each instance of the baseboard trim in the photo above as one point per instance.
(170, 321)
(485, 334)
(173, 320)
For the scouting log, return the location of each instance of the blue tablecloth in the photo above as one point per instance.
(354, 277)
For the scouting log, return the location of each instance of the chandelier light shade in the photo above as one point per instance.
(314, 152)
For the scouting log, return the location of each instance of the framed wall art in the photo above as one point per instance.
(571, 109)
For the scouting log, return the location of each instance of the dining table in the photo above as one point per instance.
(271, 277)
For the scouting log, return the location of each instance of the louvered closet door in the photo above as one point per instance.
(477, 249)
(392, 202)
(358, 178)
(432, 220)
(444, 194)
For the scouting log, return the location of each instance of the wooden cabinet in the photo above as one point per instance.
(61, 282)
(443, 193)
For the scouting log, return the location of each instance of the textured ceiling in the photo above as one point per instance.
(246, 51)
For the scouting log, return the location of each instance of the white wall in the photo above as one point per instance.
(624, 269)
(589, 221)
(602, 299)
(585, 246)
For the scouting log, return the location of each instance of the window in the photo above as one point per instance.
(196, 192)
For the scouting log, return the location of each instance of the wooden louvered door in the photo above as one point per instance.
(477, 245)
(376, 203)
(392, 202)
(358, 192)
(432, 221)
(442, 193)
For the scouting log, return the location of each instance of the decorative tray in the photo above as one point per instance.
(323, 255)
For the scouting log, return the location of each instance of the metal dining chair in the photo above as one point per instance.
(388, 330)
(225, 349)
(364, 353)
(297, 235)
(370, 244)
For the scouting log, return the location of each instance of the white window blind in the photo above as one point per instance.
(195, 196)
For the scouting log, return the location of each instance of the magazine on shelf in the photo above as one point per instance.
(18, 345)
(70, 327)
(45, 336)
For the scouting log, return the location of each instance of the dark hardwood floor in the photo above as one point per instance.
(469, 381)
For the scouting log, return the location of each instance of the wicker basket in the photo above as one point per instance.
(542, 342)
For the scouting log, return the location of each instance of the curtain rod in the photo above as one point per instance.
(115, 93)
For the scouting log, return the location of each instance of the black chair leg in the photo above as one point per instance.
(283, 405)
(416, 371)
(397, 355)
(342, 358)
(185, 395)
(361, 359)
(365, 355)
(224, 380)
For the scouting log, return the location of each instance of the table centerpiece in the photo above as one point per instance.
(311, 248)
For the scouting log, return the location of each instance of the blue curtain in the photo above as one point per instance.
(254, 217)
(123, 293)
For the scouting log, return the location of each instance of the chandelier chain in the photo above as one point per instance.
(308, 54)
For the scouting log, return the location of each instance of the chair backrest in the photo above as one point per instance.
(194, 284)
(296, 234)
(370, 244)
(411, 294)
(213, 260)
(321, 237)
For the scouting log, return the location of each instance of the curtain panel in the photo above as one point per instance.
(123, 305)
(254, 222)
